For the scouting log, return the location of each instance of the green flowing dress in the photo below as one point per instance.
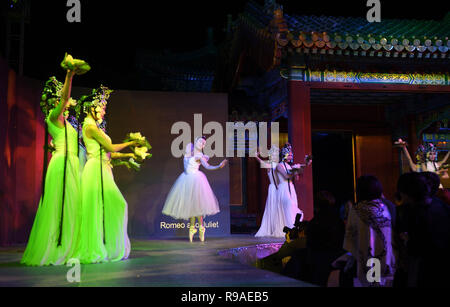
(56, 225)
(103, 235)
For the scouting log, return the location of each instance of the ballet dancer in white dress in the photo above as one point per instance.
(285, 172)
(191, 195)
(273, 219)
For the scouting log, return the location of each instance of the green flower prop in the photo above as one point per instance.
(137, 136)
(80, 67)
(131, 164)
(140, 151)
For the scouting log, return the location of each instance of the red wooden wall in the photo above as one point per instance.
(21, 148)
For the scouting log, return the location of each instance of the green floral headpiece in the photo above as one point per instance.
(50, 95)
(98, 98)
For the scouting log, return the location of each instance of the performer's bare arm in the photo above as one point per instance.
(118, 155)
(263, 163)
(96, 134)
(280, 169)
(64, 101)
(205, 164)
(308, 162)
(443, 161)
(412, 165)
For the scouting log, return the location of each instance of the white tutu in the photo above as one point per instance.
(191, 195)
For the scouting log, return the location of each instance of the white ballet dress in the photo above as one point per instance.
(281, 206)
(273, 218)
(191, 195)
(432, 167)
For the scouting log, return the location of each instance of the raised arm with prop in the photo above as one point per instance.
(441, 163)
(402, 144)
(264, 164)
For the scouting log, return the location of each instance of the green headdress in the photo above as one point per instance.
(98, 98)
(50, 95)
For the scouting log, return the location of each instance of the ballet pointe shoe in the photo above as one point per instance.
(201, 233)
(192, 232)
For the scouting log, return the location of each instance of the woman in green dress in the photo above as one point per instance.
(57, 221)
(103, 235)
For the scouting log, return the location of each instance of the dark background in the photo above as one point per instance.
(110, 32)
(333, 164)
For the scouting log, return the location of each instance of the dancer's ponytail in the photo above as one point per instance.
(66, 154)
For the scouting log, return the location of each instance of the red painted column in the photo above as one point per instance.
(300, 138)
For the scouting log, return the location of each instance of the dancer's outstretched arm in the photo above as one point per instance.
(205, 164)
(280, 169)
(442, 162)
(263, 163)
(308, 162)
(95, 133)
(301, 168)
(61, 106)
(410, 161)
(118, 155)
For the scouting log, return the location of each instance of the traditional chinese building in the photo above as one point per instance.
(319, 75)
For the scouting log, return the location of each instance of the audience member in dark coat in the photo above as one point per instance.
(437, 193)
(325, 236)
(422, 234)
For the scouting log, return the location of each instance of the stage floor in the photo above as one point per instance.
(154, 263)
